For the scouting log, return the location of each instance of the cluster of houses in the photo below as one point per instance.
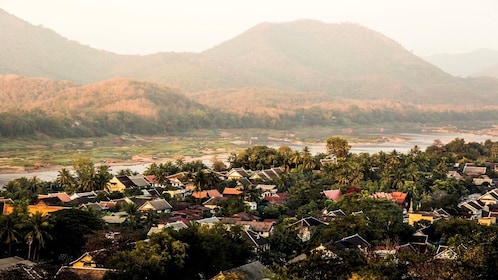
(256, 232)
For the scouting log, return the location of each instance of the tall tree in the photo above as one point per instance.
(337, 146)
(9, 231)
(65, 179)
(38, 233)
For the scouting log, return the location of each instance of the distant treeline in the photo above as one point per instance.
(33, 123)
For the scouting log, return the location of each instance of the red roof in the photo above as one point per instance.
(333, 194)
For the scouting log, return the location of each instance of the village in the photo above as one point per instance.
(420, 215)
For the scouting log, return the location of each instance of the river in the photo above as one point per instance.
(401, 142)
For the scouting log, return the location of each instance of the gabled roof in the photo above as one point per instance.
(139, 181)
(471, 169)
(83, 194)
(492, 194)
(419, 238)
(238, 172)
(442, 212)
(244, 216)
(353, 241)
(49, 201)
(64, 197)
(445, 252)
(157, 205)
(8, 263)
(254, 239)
(333, 194)
(139, 201)
(211, 220)
(309, 222)
(178, 225)
(215, 201)
(266, 187)
(257, 226)
(250, 271)
(92, 205)
(90, 254)
(244, 182)
(405, 248)
(337, 213)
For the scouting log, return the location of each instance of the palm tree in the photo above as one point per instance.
(65, 178)
(9, 231)
(132, 214)
(38, 233)
(103, 176)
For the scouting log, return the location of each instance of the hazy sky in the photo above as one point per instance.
(149, 26)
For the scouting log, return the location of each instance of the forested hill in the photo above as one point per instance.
(341, 60)
(30, 106)
(275, 75)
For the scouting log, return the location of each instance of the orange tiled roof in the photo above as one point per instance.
(231, 191)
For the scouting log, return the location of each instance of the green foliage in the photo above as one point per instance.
(69, 229)
(337, 146)
(161, 257)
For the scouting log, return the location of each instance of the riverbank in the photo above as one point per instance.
(401, 142)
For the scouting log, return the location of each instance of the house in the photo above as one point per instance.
(430, 217)
(85, 267)
(41, 206)
(206, 194)
(352, 242)
(472, 170)
(277, 199)
(487, 221)
(267, 190)
(178, 180)
(454, 174)
(419, 241)
(306, 227)
(330, 159)
(115, 218)
(83, 194)
(157, 205)
(397, 197)
(490, 197)
(178, 225)
(264, 228)
(473, 208)
(209, 222)
(64, 197)
(251, 271)
(237, 173)
(232, 192)
(11, 262)
(257, 242)
(331, 215)
(266, 175)
(214, 202)
(121, 182)
(445, 253)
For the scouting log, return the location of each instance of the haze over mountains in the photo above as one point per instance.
(270, 70)
(483, 62)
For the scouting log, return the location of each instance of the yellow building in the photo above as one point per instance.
(32, 209)
(487, 221)
(430, 217)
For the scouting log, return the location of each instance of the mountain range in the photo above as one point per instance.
(272, 69)
(483, 62)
